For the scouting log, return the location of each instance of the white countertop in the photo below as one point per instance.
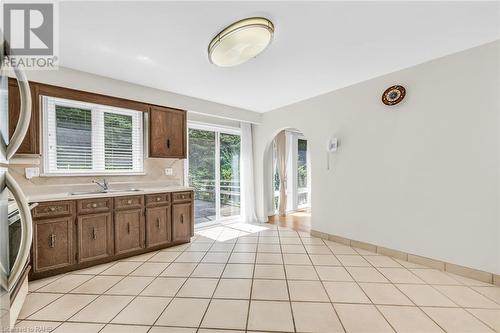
(118, 193)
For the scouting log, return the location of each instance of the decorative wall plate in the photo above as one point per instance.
(393, 95)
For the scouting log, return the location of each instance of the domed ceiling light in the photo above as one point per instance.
(240, 41)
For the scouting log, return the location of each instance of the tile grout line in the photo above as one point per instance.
(359, 286)
(218, 281)
(286, 279)
(322, 282)
(187, 278)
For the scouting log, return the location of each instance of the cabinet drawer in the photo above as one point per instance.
(53, 209)
(130, 202)
(182, 196)
(157, 199)
(96, 205)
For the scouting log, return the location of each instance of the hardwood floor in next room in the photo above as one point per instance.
(299, 220)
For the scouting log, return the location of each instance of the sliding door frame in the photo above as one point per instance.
(217, 129)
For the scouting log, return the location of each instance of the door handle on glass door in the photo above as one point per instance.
(24, 114)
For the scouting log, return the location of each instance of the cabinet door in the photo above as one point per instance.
(167, 132)
(52, 243)
(158, 226)
(129, 231)
(182, 221)
(95, 237)
(30, 144)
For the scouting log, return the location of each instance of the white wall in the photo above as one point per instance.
(422, 176)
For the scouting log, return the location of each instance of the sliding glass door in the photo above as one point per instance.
(214, 172)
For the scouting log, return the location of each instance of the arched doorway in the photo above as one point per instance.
(290, 180)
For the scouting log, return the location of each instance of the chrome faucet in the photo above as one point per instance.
(104, 185)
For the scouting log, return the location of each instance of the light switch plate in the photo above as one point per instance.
(32, 172)
(169, 171)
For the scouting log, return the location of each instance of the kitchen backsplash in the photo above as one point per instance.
(154, 177)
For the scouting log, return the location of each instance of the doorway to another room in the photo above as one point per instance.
(291, 165)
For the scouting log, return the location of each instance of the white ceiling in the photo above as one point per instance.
(318, 46)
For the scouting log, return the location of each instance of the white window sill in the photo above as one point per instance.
(92, 174)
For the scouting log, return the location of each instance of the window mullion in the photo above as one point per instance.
(97, 139)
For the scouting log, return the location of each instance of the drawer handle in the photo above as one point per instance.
(129, 202)
(182, 218)
(158, 199)
(52, 240)
(128, 228)
(158, 223)
(94, 234)
(94, 205)
(168, 143)
(52, 209)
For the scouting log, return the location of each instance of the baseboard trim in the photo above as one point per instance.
(467, 272)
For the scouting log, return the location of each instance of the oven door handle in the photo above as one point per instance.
(24, 114)
(26, 230)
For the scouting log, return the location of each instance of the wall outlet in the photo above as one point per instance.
(169, 171)
(32, 172)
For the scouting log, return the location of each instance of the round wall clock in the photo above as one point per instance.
(393, 95)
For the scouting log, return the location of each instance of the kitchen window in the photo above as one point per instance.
(91, 139)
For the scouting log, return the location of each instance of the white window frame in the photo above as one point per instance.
(98, 110)
(218, 129)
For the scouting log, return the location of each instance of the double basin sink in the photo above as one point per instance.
(106, 191)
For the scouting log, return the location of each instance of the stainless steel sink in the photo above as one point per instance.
(104, 192)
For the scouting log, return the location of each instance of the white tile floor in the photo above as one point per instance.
(260, 278)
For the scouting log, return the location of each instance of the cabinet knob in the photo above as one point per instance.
(182, 218)
(158, 223)
(158, 198)
(128, 228)
(168, 143)
(94, 205)
(94, 234)
(183, 196)
(52, 209)
(129, 202)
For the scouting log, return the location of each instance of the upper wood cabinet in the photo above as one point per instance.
(167, 132)
(31, 143)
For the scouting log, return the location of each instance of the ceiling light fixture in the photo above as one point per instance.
(240, 41)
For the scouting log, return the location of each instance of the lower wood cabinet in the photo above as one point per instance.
(94, 236)
(158, 226)
(74, 234)
(129, 231)
(52, 243)
(182, 221)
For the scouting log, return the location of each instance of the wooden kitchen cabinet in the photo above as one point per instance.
(182, 221)
(94, 236)
(52, 243)
(158, 226)
(31, 143)
(129, 230)
(167, 132)
(74, 234)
